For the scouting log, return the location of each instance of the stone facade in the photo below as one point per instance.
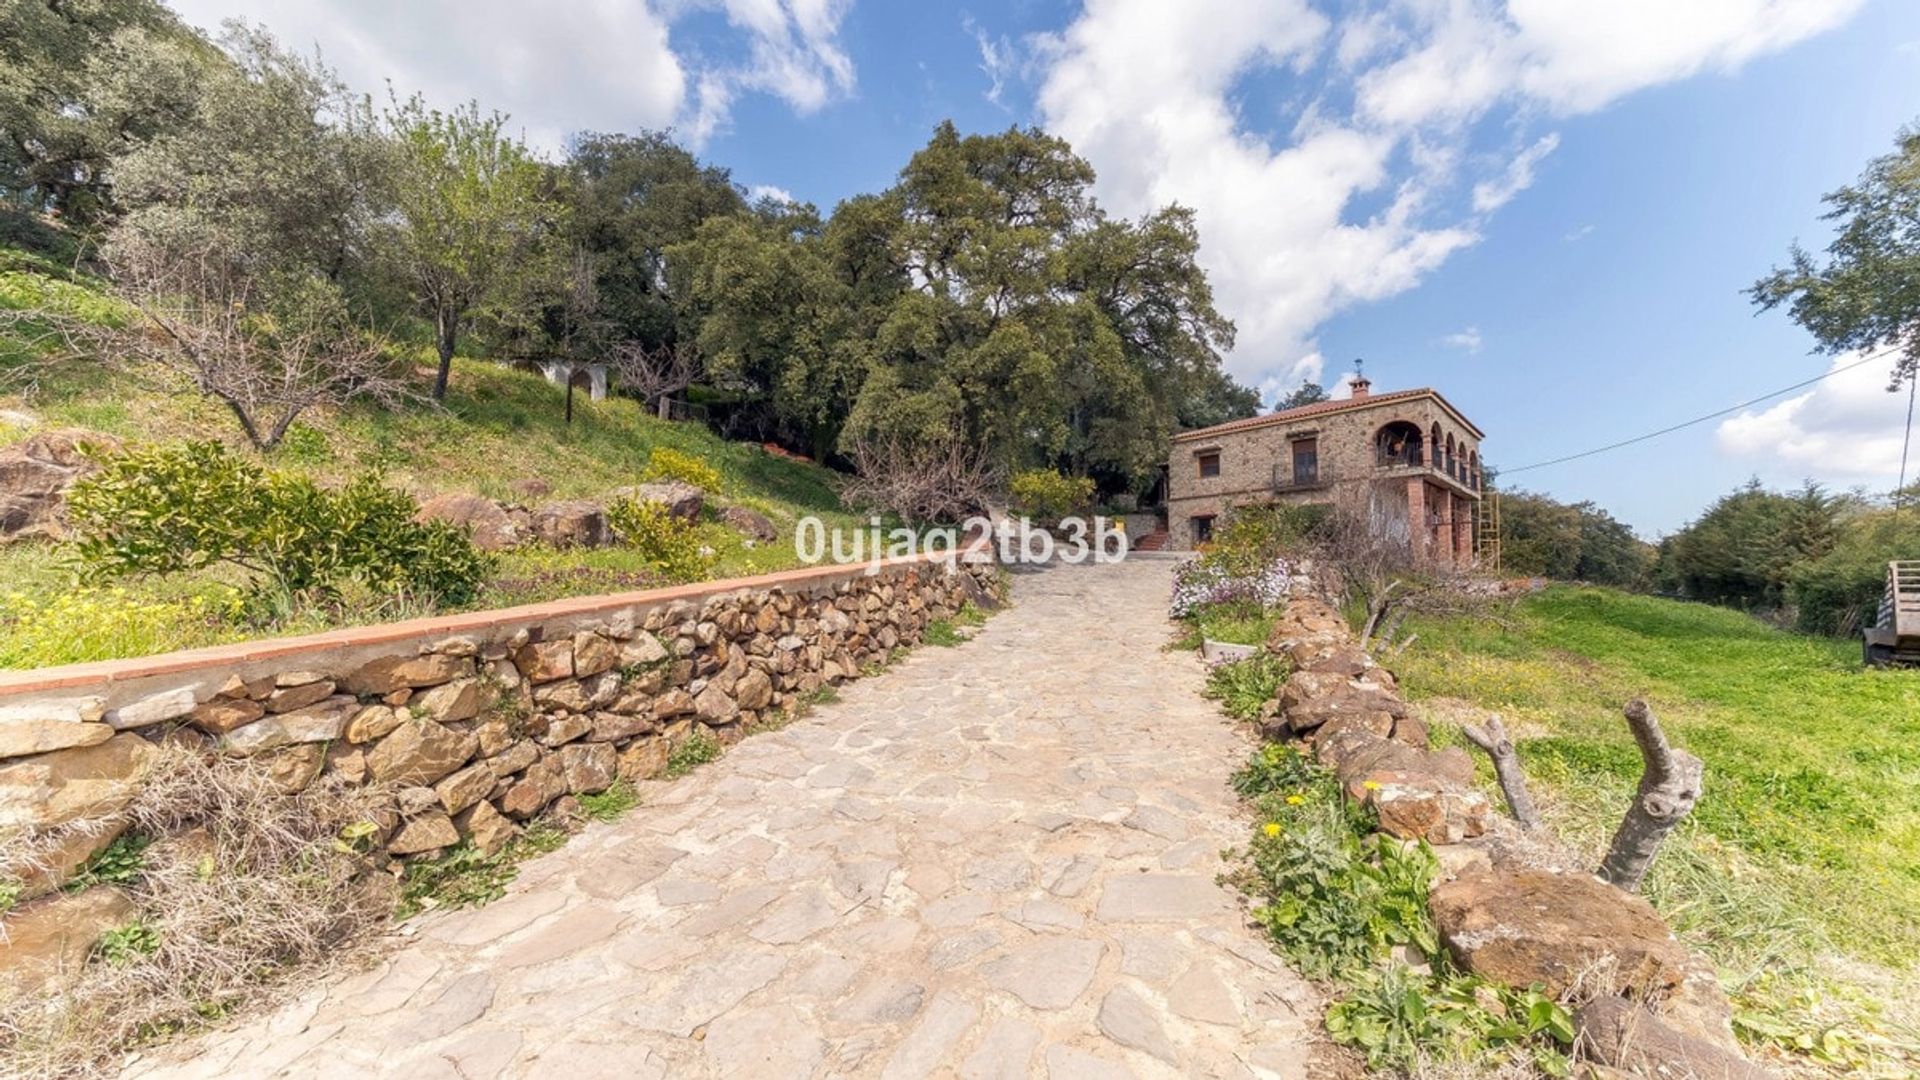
(472, 722)
(1377, 447)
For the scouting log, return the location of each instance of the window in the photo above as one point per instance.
(1209, 464)
(1306, 461)
(1203, 528)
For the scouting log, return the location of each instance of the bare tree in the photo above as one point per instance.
(1374, 564)
(1669, 786)
(923, 481)
(268, 349)
(657, 373)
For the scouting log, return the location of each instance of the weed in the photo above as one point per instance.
(695, 750)
(122, 945)
(942, 632)
(465, 876)
(1400, 1018)
(1245, 687)
(119, 863)
(970, 614)
(611, 803)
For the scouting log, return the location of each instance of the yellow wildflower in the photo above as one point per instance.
(1272, 828)
(1371, 785)
(1296, 800)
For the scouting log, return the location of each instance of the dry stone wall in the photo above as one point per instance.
(474, 723)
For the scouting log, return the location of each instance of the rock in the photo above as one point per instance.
(390, 673)
(296, 767)
(644, 650)
(415, 800)
(544, 781)
(60, 854)
(420, 752)
(428, 832)
(566, 729)
(544, 661)
(613, 727)
(589, 767)
(1624, 1035)
(1421, 806)
(514, 758)
(681, 499)
(1046, 973)
(372, 722)
(299, 697)
(1520, 927)
(153, 709)
(44, 945)
(486, 827)
(593, 654)
(672, 703)
(322, 722)
(754, 690)
(572, 523)
(221, 715)
(494, 527)
(20, 737)
(715, 707)
(751, 524)
(451, 702)
(579, 695)
(1159, 897)
(466, 787)
(532, 487)
(82, 781)
(35, 476)
(644, 760)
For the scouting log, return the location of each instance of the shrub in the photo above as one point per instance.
(668, 544)
(666, 463)
(1206, 582)
(1243, 687)
(1049, 496)
(183, 507)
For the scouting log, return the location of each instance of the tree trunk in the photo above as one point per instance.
(446, 325)
(1669, 786)
(665, 407)
(1506, 766)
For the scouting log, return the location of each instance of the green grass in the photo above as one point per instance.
(697, 749)
(501, 433)
(1232, 623)
(1799, 870)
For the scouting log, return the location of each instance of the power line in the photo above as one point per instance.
(1702, 419)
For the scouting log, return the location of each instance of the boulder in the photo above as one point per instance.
(751, 524)
(44, 945)
(1521, 927)
(1422, 806)
(35, 476)
(82, 781)
(420, 752)
(754, 690)
(494, 527)
(572, 523)
(323, 721)
(681, 499)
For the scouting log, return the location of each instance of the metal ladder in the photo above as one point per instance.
(1486, 532)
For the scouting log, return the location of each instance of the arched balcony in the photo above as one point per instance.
(1399, 443)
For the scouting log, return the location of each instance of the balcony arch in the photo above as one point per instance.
(1399, 442)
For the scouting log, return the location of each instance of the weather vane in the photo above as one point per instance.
(1359, 368)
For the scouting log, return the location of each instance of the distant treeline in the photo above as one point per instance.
(1809, 558)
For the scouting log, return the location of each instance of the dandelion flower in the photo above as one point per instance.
(1371, 785)
(1272, 828)
(1296, 800)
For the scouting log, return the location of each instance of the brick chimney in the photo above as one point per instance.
(1360, 386)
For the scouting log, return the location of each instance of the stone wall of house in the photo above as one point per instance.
(1247, 458)
(475, 723)
(1509, 906)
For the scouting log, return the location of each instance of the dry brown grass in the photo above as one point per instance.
(241, 884)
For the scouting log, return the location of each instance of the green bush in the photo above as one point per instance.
(1252, 537)
(187, 506)
(668, 545)
(666, 463)
(1045, 495)
(1244, 687)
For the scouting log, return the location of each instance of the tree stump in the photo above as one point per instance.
(1669, 786)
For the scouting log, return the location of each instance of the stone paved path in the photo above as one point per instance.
(995, 860)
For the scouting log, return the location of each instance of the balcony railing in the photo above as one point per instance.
(1299, 475)
(1416, 458)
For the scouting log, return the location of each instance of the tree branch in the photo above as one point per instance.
(1669, 786)
(1506, 767)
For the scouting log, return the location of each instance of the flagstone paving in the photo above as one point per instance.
(995, 860)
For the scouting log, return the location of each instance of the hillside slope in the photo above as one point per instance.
(502, 433)
(1799, 870)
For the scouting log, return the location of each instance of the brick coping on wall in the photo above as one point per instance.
(100, 673)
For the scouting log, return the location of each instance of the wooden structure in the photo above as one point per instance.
(1894, 636)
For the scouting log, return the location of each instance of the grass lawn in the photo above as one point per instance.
(1799, 870)
(499, 428)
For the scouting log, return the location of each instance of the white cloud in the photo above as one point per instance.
(559, 68)
(1467, 340)
(1848, 427)
(1574, 236)
(758, 192)
(999, 58)
(1150, 93)
(1491, 195)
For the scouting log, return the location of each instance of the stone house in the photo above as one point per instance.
(1412, 456)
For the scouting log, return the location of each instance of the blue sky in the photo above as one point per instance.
(1545, 208)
